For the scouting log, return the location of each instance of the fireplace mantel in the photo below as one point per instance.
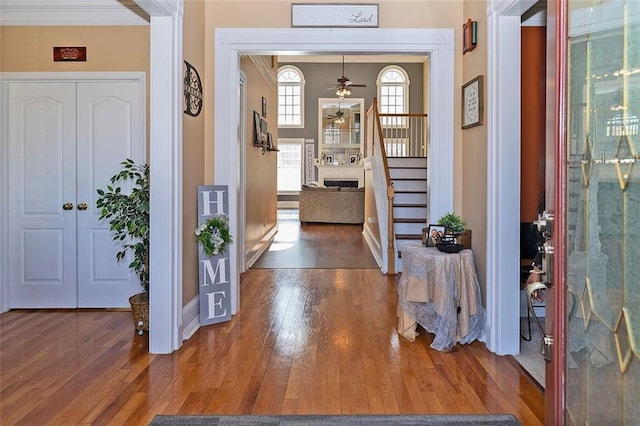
(331, 172)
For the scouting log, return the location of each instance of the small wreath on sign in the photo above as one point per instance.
(213, 235)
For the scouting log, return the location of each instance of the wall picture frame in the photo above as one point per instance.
(257, 129)
(328, 159)
(473, 102)
(264, 107)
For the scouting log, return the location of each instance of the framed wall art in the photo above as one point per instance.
(257, 129)
(472, 102)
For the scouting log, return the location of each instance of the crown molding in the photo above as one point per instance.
(71, 13)
(265, 67)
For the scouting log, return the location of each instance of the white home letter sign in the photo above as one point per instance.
(213, 276)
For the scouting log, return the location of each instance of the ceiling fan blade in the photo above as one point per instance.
(357, 85)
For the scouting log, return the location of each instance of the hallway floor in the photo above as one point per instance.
(316, 245)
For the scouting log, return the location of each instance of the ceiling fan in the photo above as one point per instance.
(338, 116)
(344, 84)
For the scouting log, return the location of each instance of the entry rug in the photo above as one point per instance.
(300, 420)
(530, 357)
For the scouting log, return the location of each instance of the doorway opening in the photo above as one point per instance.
(231, 43)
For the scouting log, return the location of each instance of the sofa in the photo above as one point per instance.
(331, 205)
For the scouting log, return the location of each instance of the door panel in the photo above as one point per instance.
(603, 222)
(42, 255)
(110, 129)
(65, 141)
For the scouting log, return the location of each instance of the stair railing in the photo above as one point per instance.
(404, 135)
(375, 149)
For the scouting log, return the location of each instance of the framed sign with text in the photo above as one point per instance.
(362, 15)
(213, 270)
(472, 103)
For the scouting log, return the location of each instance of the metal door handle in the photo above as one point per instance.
(67, 206)
(82, 206)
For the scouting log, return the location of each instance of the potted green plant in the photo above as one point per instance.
(452, 223)
(128, 215)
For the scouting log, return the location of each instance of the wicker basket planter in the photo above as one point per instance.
(140, 310)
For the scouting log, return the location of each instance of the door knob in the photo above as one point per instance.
(67, 206)
(82, 206)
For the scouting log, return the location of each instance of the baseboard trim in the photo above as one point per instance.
(190, 317)
(256, 250)
(373, 244)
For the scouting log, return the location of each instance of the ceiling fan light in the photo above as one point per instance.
(342, 92)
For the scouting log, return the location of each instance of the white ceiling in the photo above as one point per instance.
(71, 12)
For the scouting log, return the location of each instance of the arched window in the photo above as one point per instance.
(290, 97)
(393, 93)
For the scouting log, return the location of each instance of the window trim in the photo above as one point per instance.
(301, 84)
(405, 85)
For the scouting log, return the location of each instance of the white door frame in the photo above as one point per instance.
(231, 42)
(5, 191)
(166, 328)
(503, 174)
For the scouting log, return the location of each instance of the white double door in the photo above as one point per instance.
(65, 140)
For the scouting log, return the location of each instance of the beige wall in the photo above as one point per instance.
(277, 14)
(261, 170)
(30, 49)
(192, 151)
(471, 157)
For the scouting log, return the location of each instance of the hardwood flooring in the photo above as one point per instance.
(306, 341)
(317, 245)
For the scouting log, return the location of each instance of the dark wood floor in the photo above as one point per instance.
(309, 341)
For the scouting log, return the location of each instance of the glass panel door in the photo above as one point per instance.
(603, 205)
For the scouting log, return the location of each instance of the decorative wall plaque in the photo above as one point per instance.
(192, 91)
(213, 271)
(70, 54)
(363, 15)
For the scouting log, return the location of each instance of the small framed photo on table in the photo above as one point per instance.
(328, 159)
(353, 159)
(434, 235)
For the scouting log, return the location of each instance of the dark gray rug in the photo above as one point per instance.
(427, 419)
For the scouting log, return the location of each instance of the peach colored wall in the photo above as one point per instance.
(277, 14)
(261, 170)
(30, 49)
(471, 156)
(192, 150)
(532, 133)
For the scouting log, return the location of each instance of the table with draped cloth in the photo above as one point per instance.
(440, 291)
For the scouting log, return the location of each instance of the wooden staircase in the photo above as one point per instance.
(409, 177)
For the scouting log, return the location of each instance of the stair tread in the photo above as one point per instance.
(410, 205)
(408, 236)
(410, 220)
